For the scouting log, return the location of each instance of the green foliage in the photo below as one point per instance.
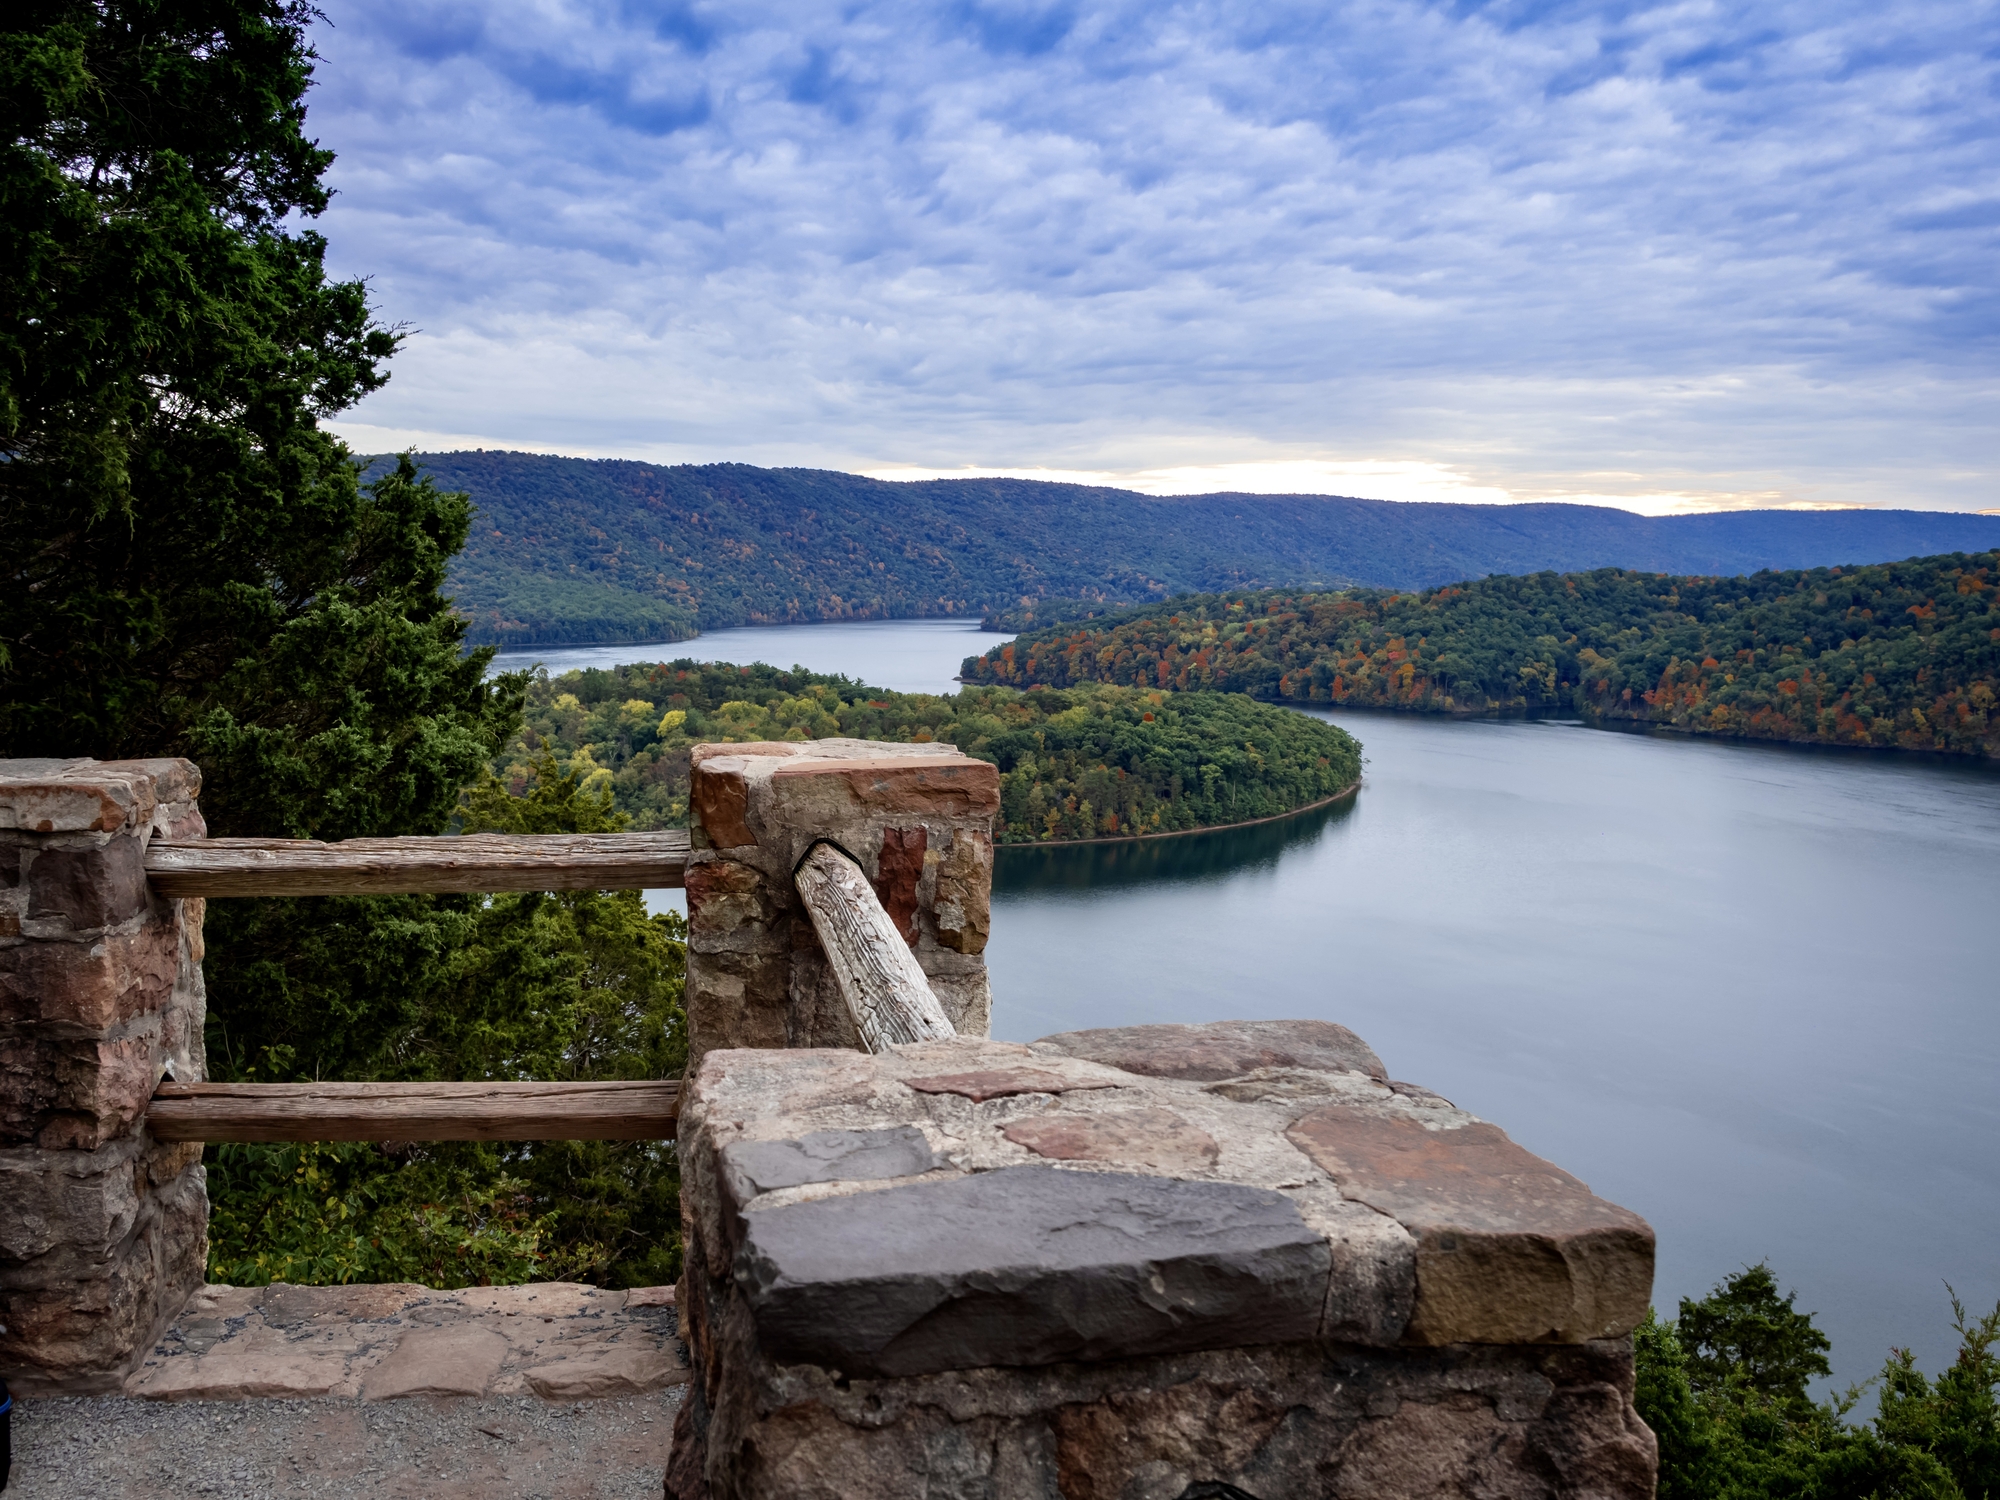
(1745, 1330)
(1665, 1399)
(1724, 1389)
(195, 569)
(1089, 763)
(1903, 655)
(169, 503)
(318, 1214)
(1953, 1418)
(577, 985)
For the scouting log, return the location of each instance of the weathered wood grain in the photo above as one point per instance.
(879, 977)
(470, 862)
(415, 1111)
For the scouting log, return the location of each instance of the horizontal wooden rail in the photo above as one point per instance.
(415, 1111)
(371, 867)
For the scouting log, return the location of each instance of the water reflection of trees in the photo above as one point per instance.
(1023, 868)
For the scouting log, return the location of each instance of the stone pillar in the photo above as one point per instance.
(103, 1231)
(917, 818)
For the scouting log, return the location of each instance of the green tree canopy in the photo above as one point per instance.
(1745, 1330)
(194, 568)
(1724, 1388)
(1902, 655)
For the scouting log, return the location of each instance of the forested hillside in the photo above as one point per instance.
(1097, 762)
(576, 550)
(1900, 654)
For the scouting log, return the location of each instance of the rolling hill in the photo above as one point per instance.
(569, 550)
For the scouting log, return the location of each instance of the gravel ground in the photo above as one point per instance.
(112, 1448)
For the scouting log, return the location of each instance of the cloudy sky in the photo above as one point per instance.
(1680, 255)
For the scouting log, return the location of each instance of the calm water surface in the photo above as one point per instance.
(1748, 991)
(904, 656)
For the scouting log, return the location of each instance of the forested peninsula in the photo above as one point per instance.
(1899, 655)
(1097, 761)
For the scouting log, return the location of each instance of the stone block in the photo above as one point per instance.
(974, 1267)
(982, 1084)
(65, 1092)
(605, 1372)
(456, 1359)
(88, 988)
(899, 865)
(1028, 1266)
(964, 893)
(89, 886)
(727, 899)
(75, 796)
(1510, 1248)
(1220, 1049)
(1147, 1137)
(720, 801)
(266, 1366)
(558, 1340)
(754, 1167)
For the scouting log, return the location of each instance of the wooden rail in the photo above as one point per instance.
(415, 1111)
(371, 867)
(879, 977)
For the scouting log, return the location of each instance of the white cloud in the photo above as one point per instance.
(1716, 251)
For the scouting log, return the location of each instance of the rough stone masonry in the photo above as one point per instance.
(103, 1231)
(918, 820)
(1134, 1263)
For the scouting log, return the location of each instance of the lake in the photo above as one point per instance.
(1745, 990)
(904, 656)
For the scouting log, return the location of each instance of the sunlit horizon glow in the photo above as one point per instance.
(1666, 257)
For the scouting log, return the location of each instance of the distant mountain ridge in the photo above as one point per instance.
(570, 550)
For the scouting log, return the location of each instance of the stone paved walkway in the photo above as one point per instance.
(553, 1339)
(549, 1390)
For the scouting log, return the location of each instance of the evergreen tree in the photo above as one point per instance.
(195, 569)
(1744, 1331)
(1724, 1388)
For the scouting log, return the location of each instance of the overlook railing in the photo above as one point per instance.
(379, 867)
(105, 868)
(882, 984)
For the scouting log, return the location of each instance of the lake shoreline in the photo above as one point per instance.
(1176, 833)
(1618, 724)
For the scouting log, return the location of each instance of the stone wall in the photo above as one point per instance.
(1141, 1263)
(917, 818)
(103, 1231)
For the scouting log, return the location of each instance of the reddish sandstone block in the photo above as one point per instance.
(74, 1092)
(898, 868)
(953, 786)
(80, 988)
(87, 887)
(1155, 1138)
(73, 796)
(1221, 1049)
(1510, 1248)
(721, 801)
